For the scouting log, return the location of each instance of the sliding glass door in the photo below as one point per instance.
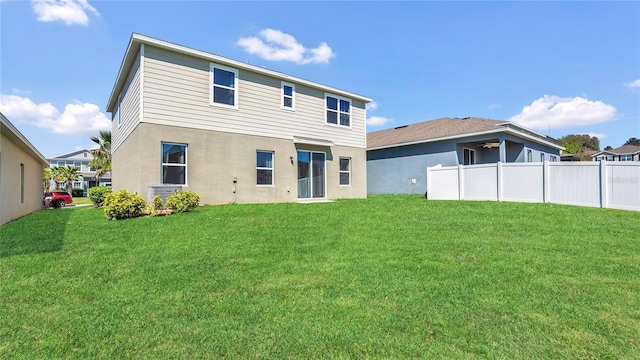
(311, 175)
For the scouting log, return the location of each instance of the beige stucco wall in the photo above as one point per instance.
(11, 204)
(215, 158)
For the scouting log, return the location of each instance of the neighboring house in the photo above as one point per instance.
(397, 159)
(21, 167)
(80, 159)
(623, 153)
(231, 131)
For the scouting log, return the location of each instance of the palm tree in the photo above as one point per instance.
(102, 154)
(47, 173)
(57, 176)
(69, 174)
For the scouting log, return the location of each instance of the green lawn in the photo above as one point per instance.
(82, 201)
(386, 277)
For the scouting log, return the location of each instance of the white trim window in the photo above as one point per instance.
(224, 86)
(77, 165)
(468, 156)
(77, 185)
(345, 171)
(626, 157)
(174, 163)
(62, 163)
(264, 168)
(337, 110)
(288, 92)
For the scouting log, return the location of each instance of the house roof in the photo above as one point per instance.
(450, 128)
(137, 40)
(623, 150)
(71, 154)
(10, 131)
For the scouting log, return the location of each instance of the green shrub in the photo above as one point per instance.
(123, 205)
(182, 201)
(77, 193)
(97, 194)
(156, 205)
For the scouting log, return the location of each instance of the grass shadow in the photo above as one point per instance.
(36, 233)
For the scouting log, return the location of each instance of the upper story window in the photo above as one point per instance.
(77, 165)
(224, 86)
(62, 163)
(338, 110)
(288, 96)
(174, 163)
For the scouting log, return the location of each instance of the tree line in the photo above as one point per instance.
(579, 144)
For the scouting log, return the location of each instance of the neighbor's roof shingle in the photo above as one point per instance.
(432, 129)
(626, 149)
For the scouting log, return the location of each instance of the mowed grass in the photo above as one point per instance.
(385, 277)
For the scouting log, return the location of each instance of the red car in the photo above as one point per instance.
(56, 199)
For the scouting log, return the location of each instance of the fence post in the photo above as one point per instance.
(460, 183)
(546, 179)
(428, 182)
(603, 184)
(499, 176)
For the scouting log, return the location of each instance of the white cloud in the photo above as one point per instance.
(494, 106)
(555, 112)
(634, 84)
(378, 121)
(77, 118)
(20, 91)
(22, 107)
(278, 46)
(371, 106)
(68, 11)
(598, 135)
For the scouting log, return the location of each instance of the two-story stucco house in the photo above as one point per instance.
(231, 131)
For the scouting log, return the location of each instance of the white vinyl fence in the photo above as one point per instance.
(599, 184)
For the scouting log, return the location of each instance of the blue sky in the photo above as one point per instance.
(556, 67)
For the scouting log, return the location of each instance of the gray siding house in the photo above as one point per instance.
(80, 159)
(623, 153)
(397, 158)
(231, 131)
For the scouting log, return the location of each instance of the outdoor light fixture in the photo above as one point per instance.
(291, 158)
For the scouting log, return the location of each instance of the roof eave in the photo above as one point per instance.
(26, 144)
(423, 141)
(480, 133)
